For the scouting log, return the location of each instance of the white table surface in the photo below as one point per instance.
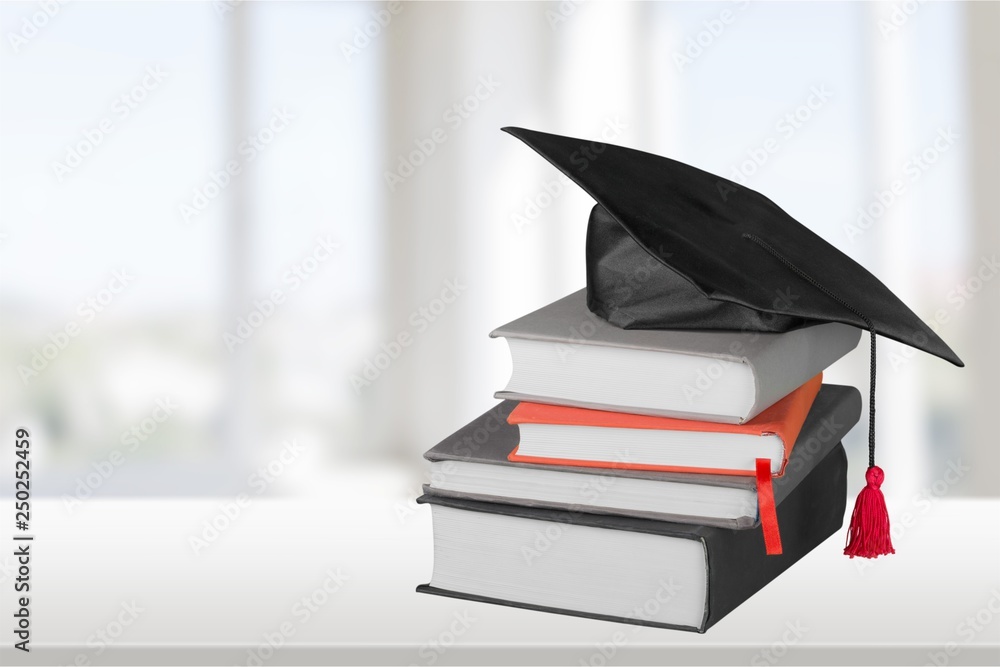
(214, 607)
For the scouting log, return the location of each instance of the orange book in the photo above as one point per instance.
(784, 419)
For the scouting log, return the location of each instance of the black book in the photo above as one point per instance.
(624, 569)
(472, 464)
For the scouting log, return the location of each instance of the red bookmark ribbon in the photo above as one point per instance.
(768, 510)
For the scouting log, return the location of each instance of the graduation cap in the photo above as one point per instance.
(670, 246)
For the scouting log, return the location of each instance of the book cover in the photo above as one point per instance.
(784, 419)
(489, 439)
(780, 362)
(735, 560)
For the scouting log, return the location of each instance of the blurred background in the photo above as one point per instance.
(219, 218)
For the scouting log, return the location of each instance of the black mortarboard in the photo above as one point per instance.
(670, 246)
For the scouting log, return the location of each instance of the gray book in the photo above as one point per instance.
(472, 464)
(564, 354)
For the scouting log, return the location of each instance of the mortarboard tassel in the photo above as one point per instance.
(868, 535)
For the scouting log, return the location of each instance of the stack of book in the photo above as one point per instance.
(653, 477)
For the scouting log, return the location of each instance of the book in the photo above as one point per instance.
(473, 464)
(625, 569)
(579, 436)
(563, 354)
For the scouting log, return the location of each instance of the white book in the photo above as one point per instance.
(564, 354)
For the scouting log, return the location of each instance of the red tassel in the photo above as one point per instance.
(869, 533)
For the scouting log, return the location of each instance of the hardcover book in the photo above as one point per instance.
(563, 354)
(611, 567)
(578, 436)
(473, 464)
